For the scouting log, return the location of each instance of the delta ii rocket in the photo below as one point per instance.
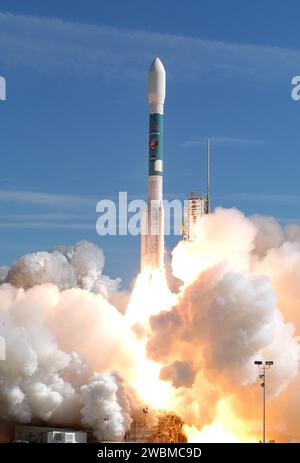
(152, 220)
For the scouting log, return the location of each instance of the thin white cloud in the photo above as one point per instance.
(54, 45)
(223, 141)
(45, 199)
(39, 198)
(48, 225)
(48, 221)
(23, 246)
(47, 216)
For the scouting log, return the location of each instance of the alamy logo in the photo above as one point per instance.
(2, 89)
(295, 93)
(2, 348)
(123, 217)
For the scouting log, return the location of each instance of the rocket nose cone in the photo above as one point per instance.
(157, 66)
(156, 86)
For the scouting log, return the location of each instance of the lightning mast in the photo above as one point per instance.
(208, 175)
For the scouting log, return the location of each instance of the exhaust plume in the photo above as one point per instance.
(80, 350)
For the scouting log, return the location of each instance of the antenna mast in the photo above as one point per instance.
(208, 175)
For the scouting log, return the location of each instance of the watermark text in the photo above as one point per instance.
(2, 88)
(138, 217)
(2, 348)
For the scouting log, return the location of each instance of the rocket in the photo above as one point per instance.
(152, 219)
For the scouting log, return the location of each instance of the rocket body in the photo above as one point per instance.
(152, 223)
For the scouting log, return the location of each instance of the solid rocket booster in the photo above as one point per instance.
(152, 223)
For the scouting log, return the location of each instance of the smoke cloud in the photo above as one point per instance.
(66, 267)
(39, 382)
(80, 352)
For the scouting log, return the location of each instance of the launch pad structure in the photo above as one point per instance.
(164, 427)
(196, 206)
(167, 429)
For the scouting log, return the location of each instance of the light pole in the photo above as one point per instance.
(145, 411)
(106, 418)
(263, 366)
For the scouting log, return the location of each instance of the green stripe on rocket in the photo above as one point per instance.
(156, 144)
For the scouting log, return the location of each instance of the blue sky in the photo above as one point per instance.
(74, 126)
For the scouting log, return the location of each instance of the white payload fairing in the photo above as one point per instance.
(152, 223)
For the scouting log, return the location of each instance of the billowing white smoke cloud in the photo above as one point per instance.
(3, 273)
(66, 266)
(43, 378)
(222, 323)
(230, 311)
(223, 237)
(102, 408)
(270, 235)
(31, 383)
